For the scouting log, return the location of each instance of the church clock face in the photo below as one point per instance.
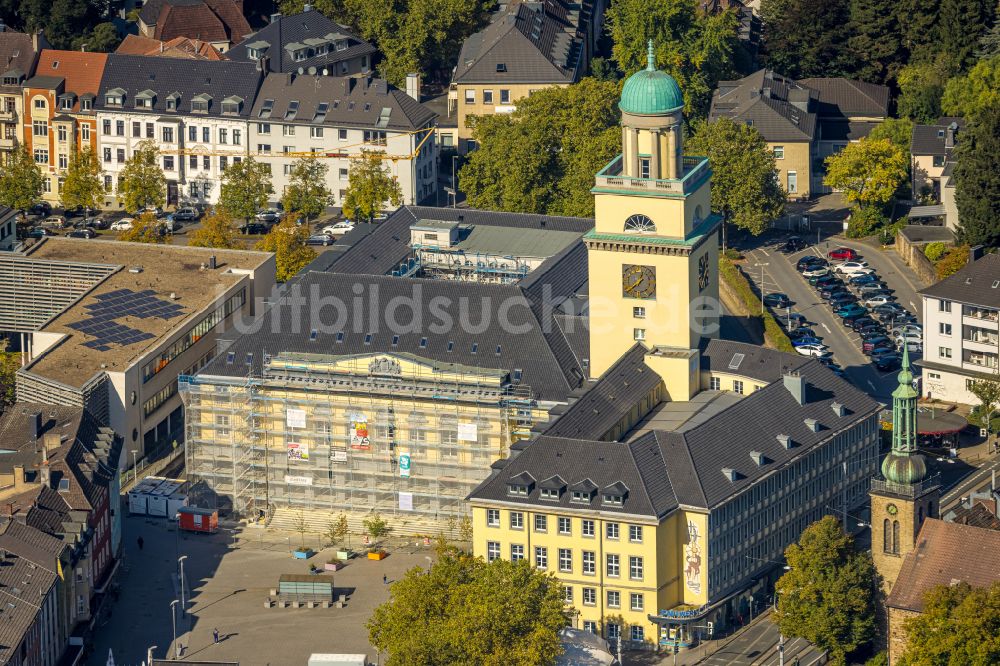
(638, 281)
(891, 509)
(703, 272)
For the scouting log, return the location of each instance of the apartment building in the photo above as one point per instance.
(962, 331)
(194, 111)
(60, 115)
(336, 118)
(932, 161)
(18, 55)
(658, 515)
(109, 326)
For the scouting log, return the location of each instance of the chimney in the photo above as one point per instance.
(766, 92)
(796, 385)
(975, 253)
(211, 262)
(35, 425)
(949, 136)
(307, 7)
(264, 64)
(275, 16)
(50, 442)
(413, 85)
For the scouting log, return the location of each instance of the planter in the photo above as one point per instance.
(377, 555)
(331, 566)
(344, 555)
(303, 554)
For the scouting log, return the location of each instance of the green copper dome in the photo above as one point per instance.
(651, 92)
(904, 469)
(904, 465)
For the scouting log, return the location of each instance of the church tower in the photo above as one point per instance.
(653, 253)
(904, 496)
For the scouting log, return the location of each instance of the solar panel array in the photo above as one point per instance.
(102, 326)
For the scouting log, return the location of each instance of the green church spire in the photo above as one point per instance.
(903, 464)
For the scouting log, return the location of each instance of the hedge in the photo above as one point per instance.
(739, 284)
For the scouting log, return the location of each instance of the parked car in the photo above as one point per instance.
(862, 321)
(875, 301)
(40, 209)
(829, 278)
(871, 330)
(186, 214)
(911, 345)
(790, 321)
(809, 260)
(801, 332)
(807, 340)
(776, 299)
(842, 300)
(813, 350)
(270, 215)
(321, 239)
(123, 224)
(338, 229)
(55, 222)
(851, 310)
(875, 289)
(868, 344)
(860, 279)
(835, 292)
(255, 228)
(817, 271)
(851, 267)
(82, 233)
(40, 232)
(881, 349)
(792, 245)
(904, 329)
(843, 254)
(886, 362)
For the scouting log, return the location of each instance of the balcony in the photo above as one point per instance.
(8, 116)
(610, 177)
(906, 489)
(981, 342)
(981, 317)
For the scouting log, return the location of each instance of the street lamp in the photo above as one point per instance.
(135, 469)
(783, 565)
(173, 618)
(149, 653)
(762, 286)
(454, 183)
(180, 561)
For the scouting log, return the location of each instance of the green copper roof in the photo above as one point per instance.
(904, 468)
(905, 389)
(904, 465)
(651, 92)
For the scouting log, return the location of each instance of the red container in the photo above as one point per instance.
(194, 519)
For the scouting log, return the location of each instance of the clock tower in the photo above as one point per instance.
(904, 496)
(653, 253)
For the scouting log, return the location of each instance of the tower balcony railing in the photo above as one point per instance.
(906, 489)
(692, 169)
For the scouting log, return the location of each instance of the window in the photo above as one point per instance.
(288, 130)
(223, 163)
(643, 167)
(63, 162)
(779, 152)
(944, 306)
(40, 128)
(237, 137)
(944, 329)
(504, 96)
(516, 552)
(192, 133)
(589, 596)
(541, 558)
(635, 567)
(589, 563)
(223, 135)
(493, 517)
(613, 566)
(516, 520)
(61, 133)
(86, 105)
(895, 537)
(222, 425)
(343, 174)
(206, 162)
(107, 154)
(375, 137)
(638, 334)
(492, 550)
(565, 526)
(316, 132)
(108, 183)
(136, 129)
(587, 527)
(470, 96)
(635, 533)
(487, 97)
(611, 530)
(168, 162)
(568, 594)
(793, 182)
(41, 156)
(150, 131)
(40, 103)
(938, 160)
(565, 560)
(943, 352)
(168, 135)
(637, 601)
(106, 127)
(263, 128)
(120, 155)
(342, 135)
(541, 523)
(714, 383)
(638, 634)
(120, 127)
(614, 599)
(639, 312)
(192, 161)
(738, 386)
(85, 132)
(614, 632)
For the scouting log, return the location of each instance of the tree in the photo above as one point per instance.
(301, 526)
(21, 181)
(142, 183)
(307, 192)
(84, 183)
(745, 188)
(695, 48)
(989, 45)
(978, 90)
(957, 626)
(246, 186)
(465, 611)
(377, 527)
(869, 172)
(961, 24)
(988, 393)
(920, 90)
(919, 19)
(61, 20)
(953, 262)
(827, 595)
(288, 242)
(337, 529)
(542, 157)
(370, 188)
(104, 38)
(801, 40)
(216, 230)
(977, 180)
(145, 229)
(10, 363)
(876, 40)
(897, 130)
(935, 251)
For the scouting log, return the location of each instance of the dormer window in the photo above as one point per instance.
(550, 493)
(292, 110)
(232, 105)
(86, 104)
(520, 484)
(265, 110)
(66, 103)
(173, 101)
(614, 495)
(580, 496)
(342, 45)
(145, 99)
(10, 81)
(517, 489)
(582, 492)
(614, 500)
(114, 97)
(551, 488)
(200, 103)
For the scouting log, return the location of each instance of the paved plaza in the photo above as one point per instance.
(228, 577)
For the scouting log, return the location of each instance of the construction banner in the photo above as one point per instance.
(298, 451)
(359, 432)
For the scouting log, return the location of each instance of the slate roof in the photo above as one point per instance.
(382, 250)
(765, 100)
(210, 20)
(27, 574)
(533, 341)
(17, 52)
(945, 554)
(975, 284)
(847, 98)
(845, 130)
(760, 363)
(561, 276)
(165, 76)
(351, 102)
(930, 139)
(296, 29)
(526, 43)
(664, 470)
(78, 71)
(977, 515)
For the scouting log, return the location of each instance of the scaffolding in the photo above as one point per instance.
(330, 434)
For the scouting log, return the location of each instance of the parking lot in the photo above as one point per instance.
(773, 270)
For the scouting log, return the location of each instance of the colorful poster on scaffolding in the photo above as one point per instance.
(298, 451)
(404, 465)
(467, 432)
(359, 432)
(295, 418)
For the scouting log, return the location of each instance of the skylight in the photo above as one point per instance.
(737, 359)
(293, 109)
(265, 111)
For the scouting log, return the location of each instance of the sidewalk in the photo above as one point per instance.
(699, 654)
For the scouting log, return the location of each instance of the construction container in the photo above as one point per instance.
(196, 519)
(138, 497)
(158, 497)
(174, 504)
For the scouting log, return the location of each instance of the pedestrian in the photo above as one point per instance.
(139, 542)
(215, 635)
(385, 579)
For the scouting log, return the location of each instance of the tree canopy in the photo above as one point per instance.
(957, 626)
(745, 187)
(971, 93)
(84, 183)
(876, 40)
(142, 182)
(10, 363)
(696, 48)
(307, 192)
(216, 230)
(977, 180)
(827, 595)
(802, 39)
(896, 130)
(465, 612)
(371, 188)
(145, 229)
(21, 180)
(246, 186)
(288, 242)
(869, 172)
(542, 157)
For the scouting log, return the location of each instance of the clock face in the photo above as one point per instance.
(891, 509)
(638, 281)
(703, 272)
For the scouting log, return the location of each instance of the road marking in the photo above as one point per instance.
(872, 385)
(914, 306)
(825, 327)
(764, 252)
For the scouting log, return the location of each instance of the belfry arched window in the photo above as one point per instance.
(886, 536)
(639, 223)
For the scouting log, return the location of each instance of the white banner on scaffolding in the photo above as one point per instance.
(295, 418)
(467, 432)
(338, 455)
(298, 480)
(406, 501)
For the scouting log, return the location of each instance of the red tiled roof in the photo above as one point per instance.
(213, 20)
(82, 71)
(178, 47)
